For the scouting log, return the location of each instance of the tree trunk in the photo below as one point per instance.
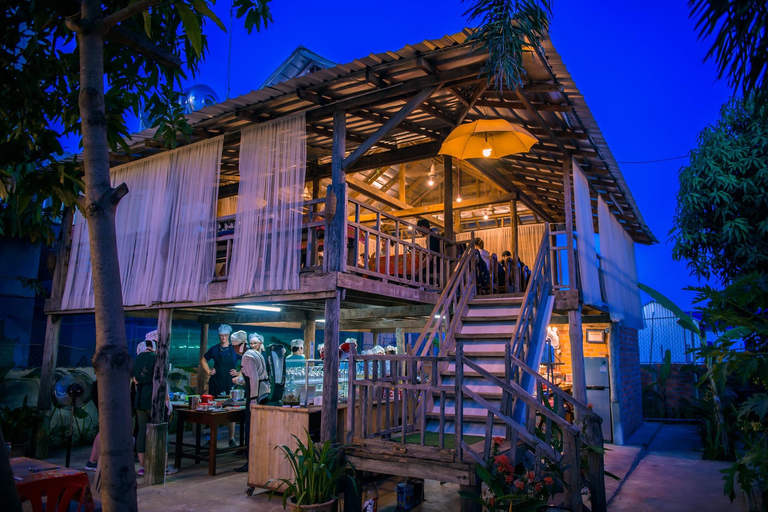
(111, 359)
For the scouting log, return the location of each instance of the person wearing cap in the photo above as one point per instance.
(225, 360)
(348, 347)
(143, 370)
(256, 381)
(296, 359)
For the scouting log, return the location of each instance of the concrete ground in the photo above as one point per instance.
(660, 469)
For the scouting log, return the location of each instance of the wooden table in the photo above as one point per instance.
(213, 420)
(35, 478)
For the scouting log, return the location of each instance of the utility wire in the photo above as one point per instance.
(654, 161)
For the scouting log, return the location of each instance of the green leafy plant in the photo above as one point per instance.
(317, 472)
(19, 424)
(656, 391)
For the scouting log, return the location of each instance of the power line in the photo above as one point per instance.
(654, 161)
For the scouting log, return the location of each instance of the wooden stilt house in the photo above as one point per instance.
(306, 195)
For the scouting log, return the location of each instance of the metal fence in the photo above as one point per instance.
(660, 333)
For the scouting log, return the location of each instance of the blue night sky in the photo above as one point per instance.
(638, 64)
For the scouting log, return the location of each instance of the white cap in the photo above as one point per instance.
(238, 337)
(389, 349)
(321, 348)
(377, 350)
(297, 343)
(141, 347)
(151, 336)
(351, 340)
(225, 329)
(257, 336)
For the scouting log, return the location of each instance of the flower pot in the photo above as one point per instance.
(320, 507)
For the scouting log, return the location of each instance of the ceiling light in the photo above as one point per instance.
(254, 307)
(487, 149)
(320, 320)
(458, 199)
(431, 182)
(485, 216)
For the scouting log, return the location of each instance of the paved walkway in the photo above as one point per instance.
(661, 469)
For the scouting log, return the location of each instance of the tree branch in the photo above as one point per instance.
(127, 12)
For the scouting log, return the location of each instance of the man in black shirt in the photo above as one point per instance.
(225, 360)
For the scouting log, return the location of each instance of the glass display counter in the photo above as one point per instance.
(304, 382)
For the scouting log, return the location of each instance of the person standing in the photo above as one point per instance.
(256, 381)
(224, 359)
(143, 369)
(296, 359)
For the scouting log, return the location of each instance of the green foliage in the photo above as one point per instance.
(508, 29)
(40, 89)
(740, 45)
(317, 472)
(683, 319)
(721, 222)
(655, 393)
(734, 408)
(18, 424)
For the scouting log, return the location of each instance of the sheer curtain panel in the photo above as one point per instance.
(165, 229)
(528, 242)
(590, 279)
(617, 251)
(496, 240)
(267, 239)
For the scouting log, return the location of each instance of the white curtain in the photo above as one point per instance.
(267, 240)
(590, 279)
(528, 242)
(191, 250)
(498, 240)
(617, 252)
(167, 216)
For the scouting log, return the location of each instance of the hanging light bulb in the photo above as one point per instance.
(458, 182)
(487, 149)
(485, 215)
(431, 182)
(458, 198)
(431, 175)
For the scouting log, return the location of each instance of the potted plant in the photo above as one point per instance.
(18, 426)
(317, 473)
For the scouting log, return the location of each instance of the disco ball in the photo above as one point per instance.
(197, 97)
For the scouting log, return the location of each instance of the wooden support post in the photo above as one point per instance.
(595, 463)
(157, 430)
(201, 375)
(448, 198)
(401, 183)
(309, 338)
(400, 340)
(577, 355)
(335, 242)
(51, 343)
(572, 471)
(330, 369)
(568, 199)
(515, 249)
(157, 453)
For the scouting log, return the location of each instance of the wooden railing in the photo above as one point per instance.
(388, 250)
(445, 319)
(394, 394)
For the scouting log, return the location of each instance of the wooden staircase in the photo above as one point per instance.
(444, 409)
(487, 327)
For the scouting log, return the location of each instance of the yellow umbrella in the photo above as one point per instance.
(487, 138)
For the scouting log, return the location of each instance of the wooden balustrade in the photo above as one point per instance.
(388, 249)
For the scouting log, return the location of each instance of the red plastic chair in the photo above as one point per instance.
(60, 487)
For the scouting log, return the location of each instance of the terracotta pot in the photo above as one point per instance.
(320, 507)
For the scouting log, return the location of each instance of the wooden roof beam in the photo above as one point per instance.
(352, 136)
(387, 127)
(388, 158)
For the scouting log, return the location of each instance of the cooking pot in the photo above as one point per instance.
(237, 394)
(206, 399)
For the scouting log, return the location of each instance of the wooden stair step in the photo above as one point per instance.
(478, 319)
(483, 336)
(496, 300)
(506, 330)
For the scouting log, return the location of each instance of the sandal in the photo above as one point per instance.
(141, 472)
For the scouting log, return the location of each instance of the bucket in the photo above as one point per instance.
(405, 496)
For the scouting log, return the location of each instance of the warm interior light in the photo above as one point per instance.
(458, 199)
(320, 320)
(254, 307)
(485, 216)
(487, 149)
(431, 181)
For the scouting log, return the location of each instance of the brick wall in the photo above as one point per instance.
(680, 387)
(631, 397)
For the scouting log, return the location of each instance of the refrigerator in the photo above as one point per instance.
(599, 391)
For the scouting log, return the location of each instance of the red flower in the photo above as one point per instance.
(509, 478)
(531, 476)
(589, 406)
(548, 480)
(502, 464)
(519, 484)
(538, 487)
(498, 441)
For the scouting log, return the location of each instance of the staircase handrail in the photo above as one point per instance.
(463, 274)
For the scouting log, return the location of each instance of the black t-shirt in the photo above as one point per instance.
(143, 369)
(224, 360)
